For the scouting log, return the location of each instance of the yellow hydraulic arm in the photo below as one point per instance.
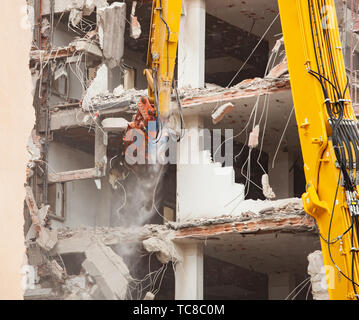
(161, 60)
(328, 134)
(162, 51)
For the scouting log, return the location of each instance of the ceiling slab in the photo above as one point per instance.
(252, 16)
(267, 244)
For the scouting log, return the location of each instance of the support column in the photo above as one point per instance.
(191, 44)
(280, 285)
(189, 272)
(191, 145)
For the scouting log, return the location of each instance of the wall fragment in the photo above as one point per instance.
(111, 22)
(316, 271)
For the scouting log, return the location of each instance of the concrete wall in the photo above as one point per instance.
(204, 189)
(85, 205)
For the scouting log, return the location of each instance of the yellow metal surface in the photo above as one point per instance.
(162, 51)
(320, 200)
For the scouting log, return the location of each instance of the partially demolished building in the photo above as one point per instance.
(99, 228)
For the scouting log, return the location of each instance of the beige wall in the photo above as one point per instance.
(17, 119)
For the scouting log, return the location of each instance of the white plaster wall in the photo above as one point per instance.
(85, 205)
(204, 189)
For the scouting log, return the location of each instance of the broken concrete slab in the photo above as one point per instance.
(76, 282)
(164, 249)
(267, 190)
(110, 272)
(220, 112)
(135, 27)
(88, 46)
(76, 243)
(112, 22)
(114, 124)
(57, 270)
(34, 146)
(278, 71)
(47, 238)
(39, 294)
(97, 86)
(31, 204)
(43, 214)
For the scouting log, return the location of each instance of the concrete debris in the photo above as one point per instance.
(87, 45)
(106, 99)
(190, 96)
(47, 238)
(253, 137)
(43, 214)
(164, 249)
(45, 28)
(39, 294)
(149, 296)
(119, 91)
(76, 282)
(111, 22)
(32, 206)
(60, 71)
(35, 77)
(249, 209)
(110, 272)
(57, 270)
(278, 71)
(79, 287)
(260, 83)
(267, 190)
(34, 148)
(114, 124)
(135, 27)
(86, 6)
(290, 205)
(77, 242)
(31, 233)
(220, 112)
(104, 274)
(98, 86)
(28, 274)
(316, 270)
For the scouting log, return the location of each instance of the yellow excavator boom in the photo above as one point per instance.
(162, 52)
(328, 135)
